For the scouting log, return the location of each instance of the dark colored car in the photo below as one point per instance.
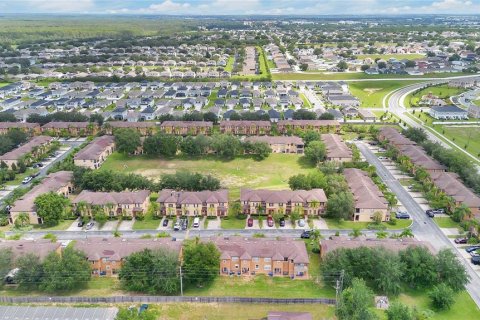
(80, 223)
(461, 240)
(305, 234)
(165, 222)
(270, 222)
(430, 213)
(250, 222)
(282, 222)
(472, 249)
(184, 223)
(402, 215)
(475, 260)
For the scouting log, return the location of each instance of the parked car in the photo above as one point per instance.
(472, 249)
(282, 222)
(89, 225)
(184, 223)
(462, 240)
(36, 174)
(177, 226)
(196, 222)
(250, 222)
(26, 180)
(80, 223)
(37, 165)
(475, 260)
(165, 222)
(305, 234)
(270, 222)
(402, 215)
(301, 223)
(430, 213)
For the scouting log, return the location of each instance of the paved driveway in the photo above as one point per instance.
(214, 224)
(74, 226)
(319, 224)
(110, 225)
(168, 227)
(126, 225)
(255, 225)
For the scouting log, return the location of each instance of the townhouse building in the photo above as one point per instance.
(337, 150)
(106, 256)
(281, 144)
(95, 153)
(193, 203)
(249, 257)
(367, 196)
(124, 203)
(27, 127)
(245, 127)
(59, 182)
(75, 129)
(287, 126)
(36, 146)
(184, 128)
(262, 201)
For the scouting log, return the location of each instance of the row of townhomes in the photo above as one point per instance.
(447, 182)
(238, 256)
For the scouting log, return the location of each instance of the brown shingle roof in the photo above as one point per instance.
(193, 197)
(21, 125)
(245, 123)
(263, 248)
(125, 124)
(65, 125)
(366, 193)
(22, 150)
(52, 183)
(103, 198)
(186, 124)
(40, 248)
(449, 183)
(394, 137)
(93, 150)
(282, 196)
(419, 157)
(336, 148)
(117, 249)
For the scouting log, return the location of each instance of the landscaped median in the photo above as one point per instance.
(399, 224)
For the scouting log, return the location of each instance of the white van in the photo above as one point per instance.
(196, 222)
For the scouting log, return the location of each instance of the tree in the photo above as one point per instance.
(161, 144)
(51, 207)
(303, 114)
(201, 262)
(410, 64)
(30, 271)
(451, 271)
(132, 314)
(127, 140)
(442, 297)
(342, 66)
(399, 311)
(382, 65)
(355, 302)
(304, 67)
(184, 180)
(326, 116)
(6, 262)
(69, 271)
(195, 146)
(22, 220)
(419, 266)
(226, 145)
(365, 67)
(309, 136)
(159, 272)
(340, 206)
(261, 150)
(377, 217)
(416, 134)
(315, 152)
(17, 136)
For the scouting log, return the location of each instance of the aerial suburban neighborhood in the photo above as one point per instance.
(239, 160)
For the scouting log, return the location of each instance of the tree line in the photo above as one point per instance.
(65, 117)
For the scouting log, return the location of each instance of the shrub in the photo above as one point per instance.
(442, 297)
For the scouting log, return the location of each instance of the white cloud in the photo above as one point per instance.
(168, 6)
(48, 6)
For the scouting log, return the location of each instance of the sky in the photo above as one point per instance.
(242, 7)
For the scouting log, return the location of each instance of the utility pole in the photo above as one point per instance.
(181, 281)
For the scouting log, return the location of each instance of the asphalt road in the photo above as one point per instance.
(423, 227)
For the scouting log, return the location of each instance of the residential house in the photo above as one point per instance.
(125, 203)
(185, 128)
(107, 255)
(193, 203)
(27, 127)
(261, 201)
(368, 197)
(337, 150)
(37, 145)
(448, 113)
(281, 144)
(59, 182)
(257, 256)
(245, 127)
(95, 153)
(75, 129)
(393, 137)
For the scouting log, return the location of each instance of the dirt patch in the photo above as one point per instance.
(371, 90)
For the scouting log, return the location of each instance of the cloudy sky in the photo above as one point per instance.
(238, 7)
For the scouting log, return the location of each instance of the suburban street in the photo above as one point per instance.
(423, 227)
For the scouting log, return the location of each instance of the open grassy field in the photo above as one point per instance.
(229, 66)
(233, 311)
(3, 84)
(356, 75)
(464, 136)
(371, 93)
(398, 56)
(443, 92)
(272, 173)
(476, 102)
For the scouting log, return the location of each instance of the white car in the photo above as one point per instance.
(89, 225)
(301, 223)
(26, 180)
(177, 226)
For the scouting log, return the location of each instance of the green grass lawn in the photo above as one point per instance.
(334, 224)
(148, 223)
(263, 286)
(62, 225)
(3, 84)
(233, 223)
(229, 66)
(443, 92)
(398, 56)
(476, 102)
(211, 99)
(371, 93)
(356, 75)
(262, 61)
(242, 172)
(19, 177)
(271, 64)
(463, 136)
(234, 311)
(446, 222)
(306, 103)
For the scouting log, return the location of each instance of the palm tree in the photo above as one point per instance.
(355, 233)
(382, 234)
(406, 233)
(22, 219)
(82, 208)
